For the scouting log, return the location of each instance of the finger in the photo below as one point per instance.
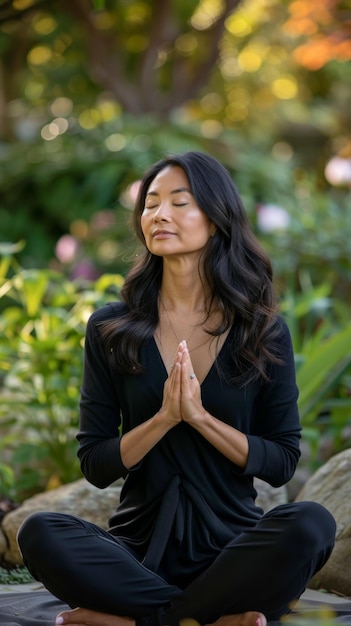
(177, 358)
(187, 367)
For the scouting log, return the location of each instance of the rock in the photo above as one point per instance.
(269, 497)
(297, 482)
(3, 543)
(330, 485)
(79, 498)
(95, 505)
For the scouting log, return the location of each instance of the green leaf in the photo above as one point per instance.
(319, 373)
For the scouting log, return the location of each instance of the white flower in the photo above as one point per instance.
(271, 217)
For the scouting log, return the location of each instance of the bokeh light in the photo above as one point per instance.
(338, 171)
(61, 107)
(67, 249)
(285, 87)
(115, 142)
(206, 14)
(44, 24)
(271, 218)
(39, 55)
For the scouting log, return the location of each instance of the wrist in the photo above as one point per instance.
(163, 421)
(200, 419)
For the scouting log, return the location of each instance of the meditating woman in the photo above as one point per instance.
(189, 392)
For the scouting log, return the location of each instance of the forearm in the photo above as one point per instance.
(136, 443)
(232, 443)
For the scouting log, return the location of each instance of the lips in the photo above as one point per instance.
(160, 234)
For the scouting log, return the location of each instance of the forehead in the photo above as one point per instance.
(170, 178)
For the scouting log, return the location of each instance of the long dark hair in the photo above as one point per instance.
(237, 270)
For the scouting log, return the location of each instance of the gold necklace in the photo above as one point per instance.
(190, 335)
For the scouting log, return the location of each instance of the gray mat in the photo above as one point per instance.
(29, 609)
(40, 609)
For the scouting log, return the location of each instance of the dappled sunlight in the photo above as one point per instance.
(238, 25)
(115, 142)
(61, 107)
(186, 44)
(40, 55)
(44, 24)
(206, 14)
(250, 60)
(285, 87)
(211, 128)
(89, 118)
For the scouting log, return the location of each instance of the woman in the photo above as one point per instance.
(197, 368)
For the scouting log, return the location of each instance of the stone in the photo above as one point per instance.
(82, 499)
(330, 486)
(269, 497)
(3, 543)
(79, 498)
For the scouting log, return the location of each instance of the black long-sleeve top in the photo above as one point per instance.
(184, 500)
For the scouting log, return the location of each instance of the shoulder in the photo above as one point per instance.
(110, 311)
(107, 313)
(281, 345)
(282, 331)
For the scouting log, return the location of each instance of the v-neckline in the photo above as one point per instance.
(201, 383)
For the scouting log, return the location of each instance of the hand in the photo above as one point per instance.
(170, 409)
(192, 410)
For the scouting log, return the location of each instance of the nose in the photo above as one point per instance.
(162, 213)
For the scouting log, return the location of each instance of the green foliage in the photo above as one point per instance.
(15, 576)
(66, 185)
(42, 327)
(325, 361)
(321, 335)
(315, 248)
(77, 185)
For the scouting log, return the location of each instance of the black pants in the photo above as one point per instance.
(265, 568)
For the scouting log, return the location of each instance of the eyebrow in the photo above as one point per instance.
(174, 191)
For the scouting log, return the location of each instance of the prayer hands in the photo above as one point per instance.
(182, 394)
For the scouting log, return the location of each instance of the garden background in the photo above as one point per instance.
(90, 95)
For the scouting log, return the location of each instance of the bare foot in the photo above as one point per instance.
(250, 618)
(86, 617)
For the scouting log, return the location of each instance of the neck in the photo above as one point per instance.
(183, 291)
(184, 299)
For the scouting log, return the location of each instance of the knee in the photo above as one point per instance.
(33, 533)
(314, 526)
(316, 517)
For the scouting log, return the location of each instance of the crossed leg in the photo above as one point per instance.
(94, 571)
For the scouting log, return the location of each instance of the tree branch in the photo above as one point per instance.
(162, 34)
(105, 58)
(186, 84)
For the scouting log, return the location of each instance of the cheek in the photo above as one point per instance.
(204, 226)
(143, 223)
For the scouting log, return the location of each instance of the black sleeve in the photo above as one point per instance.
(274, 452)
(99, 436)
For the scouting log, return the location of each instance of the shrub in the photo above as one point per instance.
(42, 329)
